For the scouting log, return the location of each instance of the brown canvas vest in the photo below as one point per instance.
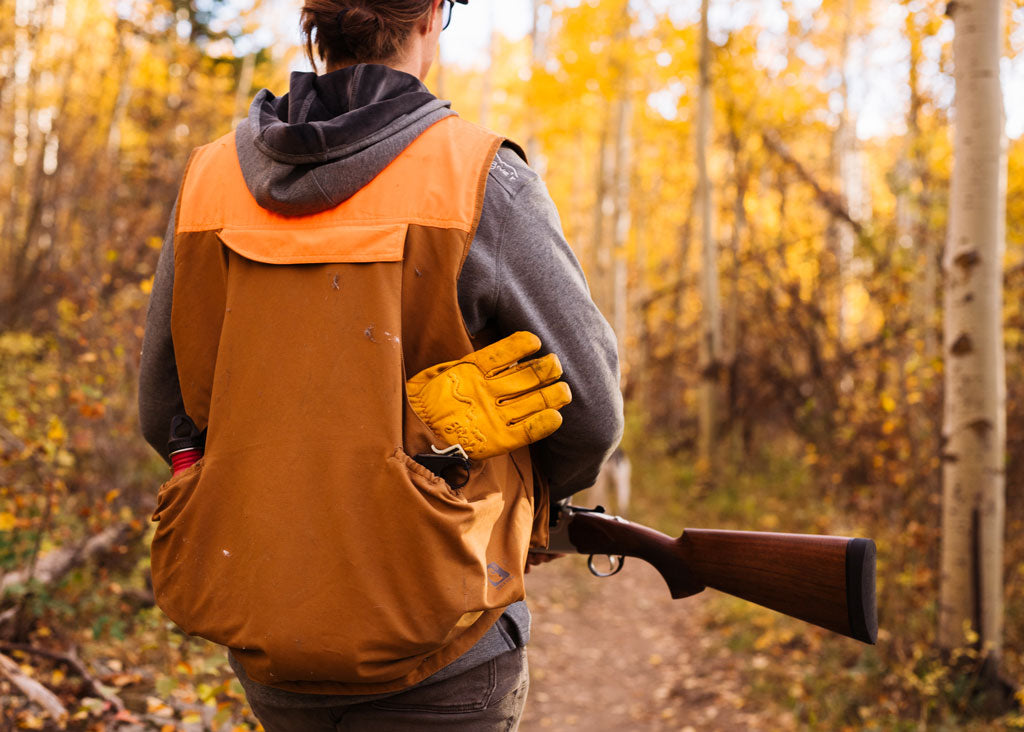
(306, 539)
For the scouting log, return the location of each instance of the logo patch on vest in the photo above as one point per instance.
(496, 575)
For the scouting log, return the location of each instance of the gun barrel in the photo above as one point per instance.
(824, 580)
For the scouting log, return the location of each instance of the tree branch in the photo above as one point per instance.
(828, 199)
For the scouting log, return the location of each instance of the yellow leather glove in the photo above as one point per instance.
(488, 401)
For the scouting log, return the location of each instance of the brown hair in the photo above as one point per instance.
(358, 31)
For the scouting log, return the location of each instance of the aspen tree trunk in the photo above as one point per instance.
(730, 346)
(13, 170)
(126, 50)
(711, 318)
(915, 234)
(578, 216)
(488, 85)
(914, 223)
(536, 55)
(974, 428)
(599, 273)
(843, 163)
(680, 363)
(27, 169)
(440, 70)
(621, 223)
(245, 76)
(620, 203)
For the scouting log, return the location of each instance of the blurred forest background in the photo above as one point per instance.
(816, 406)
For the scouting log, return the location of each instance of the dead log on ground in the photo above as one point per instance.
(55, 565)
(73, 662)
(32, 689)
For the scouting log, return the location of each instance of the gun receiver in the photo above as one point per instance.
(825, 580)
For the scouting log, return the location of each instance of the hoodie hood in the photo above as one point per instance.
(330, 135)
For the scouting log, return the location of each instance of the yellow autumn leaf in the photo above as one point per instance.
(7, 521)
(67, 310)
(28, 720)
(157, 707)
(888, 403)
(55, 430)
(205, 692)
(146, 285)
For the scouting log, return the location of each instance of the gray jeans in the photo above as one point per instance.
(487, 698)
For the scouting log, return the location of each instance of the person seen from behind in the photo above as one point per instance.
(358, 290)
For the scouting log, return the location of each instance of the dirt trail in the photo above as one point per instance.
(619, 654)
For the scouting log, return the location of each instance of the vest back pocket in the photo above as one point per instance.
(176, 492)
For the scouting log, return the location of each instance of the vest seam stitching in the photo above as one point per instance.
(347, 223)
(493, 144)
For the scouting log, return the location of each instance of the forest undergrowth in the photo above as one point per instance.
(825, 680)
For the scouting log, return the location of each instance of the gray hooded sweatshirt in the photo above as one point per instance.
(315, 147)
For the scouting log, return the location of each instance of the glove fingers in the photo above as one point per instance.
(540, 425)
(546, 368)
(527, 376)
(497, 356)
(553, 396)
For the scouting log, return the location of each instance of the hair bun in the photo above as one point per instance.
(359, 31)
(358, 21)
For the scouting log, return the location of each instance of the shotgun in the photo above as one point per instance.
(825, 580)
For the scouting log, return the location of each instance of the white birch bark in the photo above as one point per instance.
(711, 317)
(915, 205)
(536, 58)
(843, 154)
(439, 63)
(242, 91)
(622, 222)
(974, 427)
(488, 82)
(595, 274)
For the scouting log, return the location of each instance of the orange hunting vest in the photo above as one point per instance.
(307, 540)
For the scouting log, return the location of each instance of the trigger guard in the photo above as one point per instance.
(617, 562)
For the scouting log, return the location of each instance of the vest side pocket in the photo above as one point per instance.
(165, 550)
(406, 579)
(175, 492)
(428, 482)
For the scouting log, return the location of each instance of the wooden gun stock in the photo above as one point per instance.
(825, 580)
